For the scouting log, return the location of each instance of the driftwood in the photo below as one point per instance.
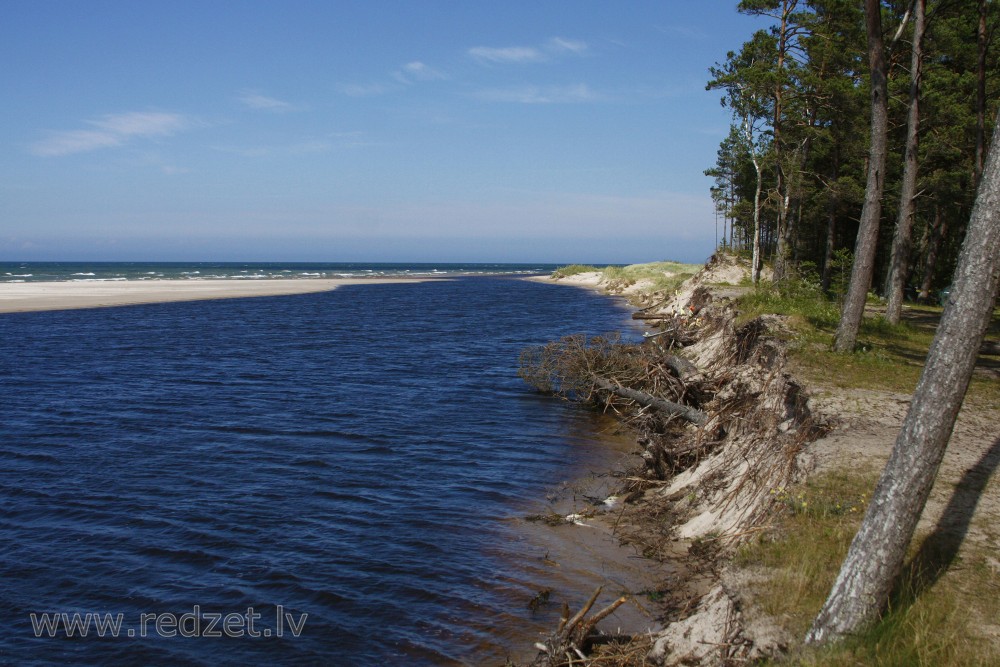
(569, 643)
(642, 398)
(639, 315)
(681, 367)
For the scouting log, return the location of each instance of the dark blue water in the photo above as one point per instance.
(350, 455)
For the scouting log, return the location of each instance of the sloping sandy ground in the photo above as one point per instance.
(22, 297)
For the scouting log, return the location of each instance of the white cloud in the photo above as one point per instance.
(528, 54)
(257, 101)
(112, 130)
(574, 94)
(417, 71)
(141, 124)
(558, 44)
(510, 54)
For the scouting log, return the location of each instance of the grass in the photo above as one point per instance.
(803, 552)
(887, 357)
(665, 276)
(572, 270)
(930, 619)
(941, 601)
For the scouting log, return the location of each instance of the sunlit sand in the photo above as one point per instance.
(21, 297)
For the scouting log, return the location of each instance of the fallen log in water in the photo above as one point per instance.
(642, 398)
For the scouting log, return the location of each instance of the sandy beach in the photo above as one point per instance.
(65, 295)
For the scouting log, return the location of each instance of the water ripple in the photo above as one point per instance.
(352, 455)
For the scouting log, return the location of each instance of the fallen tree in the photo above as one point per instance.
(646, 400)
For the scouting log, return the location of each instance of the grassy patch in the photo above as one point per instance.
(800, 299)
(803, 553)
(572, 270)
(935, 611)
(663, 275)
(888, 357)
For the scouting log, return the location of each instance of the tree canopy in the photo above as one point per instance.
(799, 91)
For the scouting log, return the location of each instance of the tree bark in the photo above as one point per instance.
(876, 555)
(864, 249)
(899, 259)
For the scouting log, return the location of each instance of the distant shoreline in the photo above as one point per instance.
(69, 295)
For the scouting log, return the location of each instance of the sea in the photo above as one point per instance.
(20, 272)
(326, 478)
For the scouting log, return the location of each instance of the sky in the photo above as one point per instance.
(335, 130)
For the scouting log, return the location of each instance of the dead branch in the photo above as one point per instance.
(574, 635)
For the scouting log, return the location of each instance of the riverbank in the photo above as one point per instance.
(66, 295)
(794, 439)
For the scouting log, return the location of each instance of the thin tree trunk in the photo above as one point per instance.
(756, 261)
(934, 247)
(864, 252)
(899, 260)
(782, 255)
(982, 43)
(877, 553)
(831, 232)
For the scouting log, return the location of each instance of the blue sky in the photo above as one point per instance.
(350, 131)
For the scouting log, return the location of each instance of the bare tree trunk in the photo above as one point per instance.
(756, 261)
(930, 264)
(831, 234)
(864, 249)
(878, 550)
(782, 254)
(899, 260)
(982, 43)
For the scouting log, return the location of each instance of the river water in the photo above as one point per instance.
(348, 467)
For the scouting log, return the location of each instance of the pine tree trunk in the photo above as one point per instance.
(781, 254)
(982, 44)
(899, 260)
(876, 555)
(755, 266)
(864, 249)
(933, 248)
